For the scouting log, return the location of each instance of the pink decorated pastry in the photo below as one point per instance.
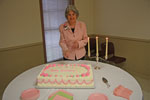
(61, 95)
(122, 92)
(57, 97)
(61, 90)
(30, 94)
(97, 96)
(66, 76)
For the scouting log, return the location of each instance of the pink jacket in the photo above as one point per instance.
(67, 38)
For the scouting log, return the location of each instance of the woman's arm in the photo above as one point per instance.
(62, 41)
(84, 40)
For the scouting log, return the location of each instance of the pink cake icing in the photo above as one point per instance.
(66, 75)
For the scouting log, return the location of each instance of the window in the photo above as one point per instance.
(53, 15)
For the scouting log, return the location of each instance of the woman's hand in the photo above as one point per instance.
(75, 45)
(66, 53)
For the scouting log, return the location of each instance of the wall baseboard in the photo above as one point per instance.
(122, 38)
(21, 46)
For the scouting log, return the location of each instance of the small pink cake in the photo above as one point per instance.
(97, 96)
(57, 97)
(30, 94)
(61, 95)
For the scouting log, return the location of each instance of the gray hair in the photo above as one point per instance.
(71, 8)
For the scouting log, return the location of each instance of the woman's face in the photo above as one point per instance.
(71, 17)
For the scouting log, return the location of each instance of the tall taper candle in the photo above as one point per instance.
(97, 47)
(106, 51)
(89, 54)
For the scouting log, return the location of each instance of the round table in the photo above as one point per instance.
(114, 75)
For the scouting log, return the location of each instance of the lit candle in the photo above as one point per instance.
(89, 54)
(106, 51)
(97, 47)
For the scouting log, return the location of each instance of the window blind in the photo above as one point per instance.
(53, 16)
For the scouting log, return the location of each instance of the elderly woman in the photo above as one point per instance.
(73, 36)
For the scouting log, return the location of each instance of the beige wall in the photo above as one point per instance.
(85, 8)
(21, 44)
(125, 18)
(19, 22)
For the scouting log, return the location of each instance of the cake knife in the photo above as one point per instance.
(105, 81)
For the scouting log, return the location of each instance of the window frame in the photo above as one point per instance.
(71, 2)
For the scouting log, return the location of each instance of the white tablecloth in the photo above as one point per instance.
(114, 75)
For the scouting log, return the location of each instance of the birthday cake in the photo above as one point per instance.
(66, 76)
